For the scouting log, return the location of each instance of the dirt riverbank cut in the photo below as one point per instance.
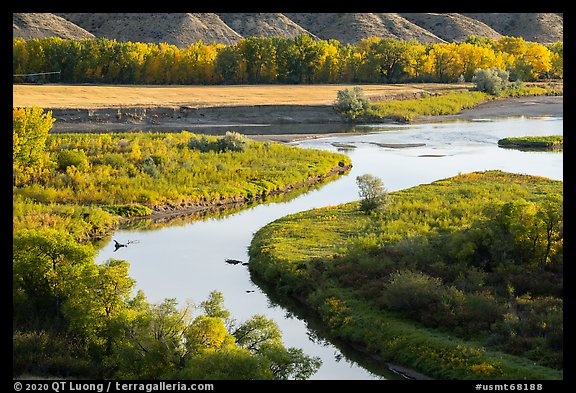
(188, 117)
(129, 117)
(83, 108)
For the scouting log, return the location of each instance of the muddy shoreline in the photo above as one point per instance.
(529, 106)
(188, 116)
(270, 122)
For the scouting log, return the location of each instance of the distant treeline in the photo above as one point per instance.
(282, 60)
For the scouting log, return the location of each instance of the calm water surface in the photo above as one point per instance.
(186, 261)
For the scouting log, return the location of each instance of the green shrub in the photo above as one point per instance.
(42, 353)
(492, 80)
(233, 363)
(115, 160)
(132, 210)
(199, 143)
(232, 141)
(351, 102)
(412, 292)
(149, 166)
(372, 193)
(67, 158)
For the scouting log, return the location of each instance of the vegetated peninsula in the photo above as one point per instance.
(166, 172)
(457, 279)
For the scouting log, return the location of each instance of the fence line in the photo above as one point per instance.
(37, 73)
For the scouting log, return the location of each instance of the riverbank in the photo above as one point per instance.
(273, 120)
(269, 109)
(169, 211)
(529, 106)
(389, 299)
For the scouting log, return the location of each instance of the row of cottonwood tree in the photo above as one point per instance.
(283, 60)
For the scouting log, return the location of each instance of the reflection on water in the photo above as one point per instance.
(186, 260)
(219, 212)
(221, 129)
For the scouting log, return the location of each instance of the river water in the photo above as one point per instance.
(186, 261)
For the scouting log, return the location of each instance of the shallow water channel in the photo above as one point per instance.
(186, 260)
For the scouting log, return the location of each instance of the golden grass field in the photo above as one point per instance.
(102, 96)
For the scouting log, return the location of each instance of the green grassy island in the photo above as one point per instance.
(457, 279)
(551, 142)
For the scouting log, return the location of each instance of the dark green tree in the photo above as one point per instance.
(46, 264)
(300, 59)
(388, 57)
(230, 65)
(259, 54)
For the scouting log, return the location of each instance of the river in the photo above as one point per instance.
(186, 261)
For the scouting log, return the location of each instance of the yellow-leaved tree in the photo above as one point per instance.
(30, 129)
